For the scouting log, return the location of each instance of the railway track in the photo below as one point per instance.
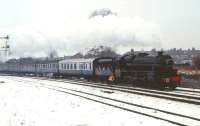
(197, 91)
(171, 117)
(175, 96)
(187, 93)
(179, 91)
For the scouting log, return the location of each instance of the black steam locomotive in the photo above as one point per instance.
(139, 70)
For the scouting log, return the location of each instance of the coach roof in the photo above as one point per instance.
(77, 60)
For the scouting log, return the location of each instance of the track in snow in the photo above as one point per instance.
(189, 90)
(170, 95)
(171, 117)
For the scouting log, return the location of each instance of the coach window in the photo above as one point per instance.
(79, 66)
(71, 66)
(65, 66)
(68, 66)
(90, 66)
(61, 66)
(74, 66)
(83, 66)
(86, 66)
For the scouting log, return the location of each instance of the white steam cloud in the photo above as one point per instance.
(120, 33)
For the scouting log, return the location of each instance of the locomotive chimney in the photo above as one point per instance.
(132, 51)
(160, 53)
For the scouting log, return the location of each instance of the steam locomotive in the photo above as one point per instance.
(140, 69)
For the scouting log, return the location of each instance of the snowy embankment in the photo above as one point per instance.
(172, 106)
(23, 104)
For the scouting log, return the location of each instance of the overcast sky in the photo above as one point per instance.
(178, 21)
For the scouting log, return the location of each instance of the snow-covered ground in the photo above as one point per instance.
(22, 104)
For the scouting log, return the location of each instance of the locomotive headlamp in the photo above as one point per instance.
(111, 78)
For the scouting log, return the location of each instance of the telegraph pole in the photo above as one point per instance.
(5, 48)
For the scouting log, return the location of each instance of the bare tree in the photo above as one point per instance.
(78, 55)
(196, 62)
(101, 51)
(53, 54)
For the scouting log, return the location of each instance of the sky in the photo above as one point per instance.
(39, 26)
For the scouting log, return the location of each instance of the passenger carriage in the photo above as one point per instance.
(48, 67)
(76, 67)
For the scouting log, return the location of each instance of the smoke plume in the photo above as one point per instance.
(103, 27)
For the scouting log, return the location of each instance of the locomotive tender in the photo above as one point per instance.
(140, 69)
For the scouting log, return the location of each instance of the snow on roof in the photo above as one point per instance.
(77, 60)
